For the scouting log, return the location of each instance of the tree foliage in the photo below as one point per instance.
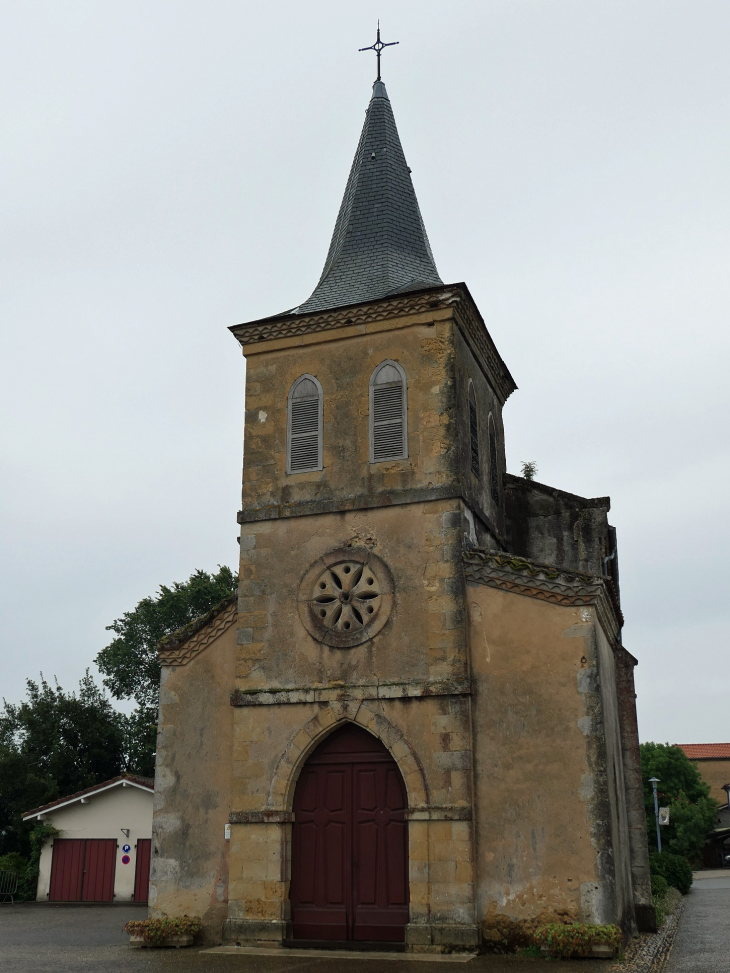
(52, 744)
(129, 662)
(674, 869)
(681, 788)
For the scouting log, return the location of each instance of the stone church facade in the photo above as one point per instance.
(417, 721)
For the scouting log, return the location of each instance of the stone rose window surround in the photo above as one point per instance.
(345, 597)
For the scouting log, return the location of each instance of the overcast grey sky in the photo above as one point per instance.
(172, 168)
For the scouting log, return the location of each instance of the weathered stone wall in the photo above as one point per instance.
(409, 684)
(553, 527)
(543, 806)
(489, 523)
(343, 363)
(611, 827)
(189, 864)
(640, 879)
(716, 773)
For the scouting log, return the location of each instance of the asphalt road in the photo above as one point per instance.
(703, 938)
(68, 939)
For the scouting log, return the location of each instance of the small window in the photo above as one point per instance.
(473, 430)
(304, 426)
(493, 468)
(388, 413)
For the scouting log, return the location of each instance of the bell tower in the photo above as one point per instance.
(373, 454)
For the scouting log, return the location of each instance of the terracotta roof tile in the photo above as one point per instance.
(706, 751)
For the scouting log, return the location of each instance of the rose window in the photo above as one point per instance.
(345, 597)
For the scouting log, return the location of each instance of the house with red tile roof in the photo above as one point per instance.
(713, 762)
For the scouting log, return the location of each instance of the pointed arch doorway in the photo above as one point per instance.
(349, 878)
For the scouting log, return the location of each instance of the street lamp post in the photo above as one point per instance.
(654, 781)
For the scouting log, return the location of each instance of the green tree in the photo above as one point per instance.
(52, 744)
(129, 663)
(681, 788)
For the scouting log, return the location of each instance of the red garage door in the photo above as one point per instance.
(142, 870)
(83, 870)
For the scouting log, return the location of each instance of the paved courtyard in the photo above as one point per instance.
(703, 939)
(84, 939)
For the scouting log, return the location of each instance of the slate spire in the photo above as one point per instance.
(379, 246)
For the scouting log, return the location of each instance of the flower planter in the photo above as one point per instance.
(597, 952)
(603, 952)
(175, 942)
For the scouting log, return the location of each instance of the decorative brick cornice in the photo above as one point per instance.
(182, 646)
(434, 298)
(522, 577)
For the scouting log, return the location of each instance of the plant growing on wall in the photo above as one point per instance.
(529, 469)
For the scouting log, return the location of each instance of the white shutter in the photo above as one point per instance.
(305, 427)
(388, 414)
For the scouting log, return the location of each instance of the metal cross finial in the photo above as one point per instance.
(378, 47)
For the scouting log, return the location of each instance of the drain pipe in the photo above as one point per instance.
(610, 557)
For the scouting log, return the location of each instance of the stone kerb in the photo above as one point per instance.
(334, 714)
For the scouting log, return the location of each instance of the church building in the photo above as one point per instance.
(416, 724)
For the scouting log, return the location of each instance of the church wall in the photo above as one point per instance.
(543, 821)
(610, 736)
(189, 865)
(343, 362)
(550, 526)
(477, 490)
(409, 684)
(424, 638)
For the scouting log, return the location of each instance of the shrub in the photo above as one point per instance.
(156, 931)
(672, 900)
(577, 938)
(13, 862)
(659, 886)
(674, 868)
(533, 950)
(661, 912)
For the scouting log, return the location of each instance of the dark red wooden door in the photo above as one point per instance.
(82, 870)
(100, 865)
(350, 843)
(142, 870)
(67, 870)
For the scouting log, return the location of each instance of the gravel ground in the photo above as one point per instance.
(702, 944)
(66, 939)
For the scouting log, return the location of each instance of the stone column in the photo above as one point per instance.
(640, 880)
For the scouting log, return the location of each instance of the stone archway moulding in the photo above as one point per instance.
(334, 714)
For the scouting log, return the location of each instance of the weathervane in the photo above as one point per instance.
(378, 47)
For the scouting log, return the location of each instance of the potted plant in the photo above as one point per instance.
(579, 939)
(167, 931)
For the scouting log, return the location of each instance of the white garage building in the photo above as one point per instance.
(102, 851)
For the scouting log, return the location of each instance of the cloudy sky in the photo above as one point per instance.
(172, 168)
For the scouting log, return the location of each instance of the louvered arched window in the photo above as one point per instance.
(473, 431)
(493, 468)
(304, 426)
(388, 413)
